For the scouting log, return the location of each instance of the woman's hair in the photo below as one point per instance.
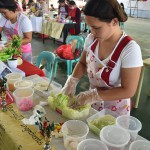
(105, 10)
(9, 4)
(72, 3)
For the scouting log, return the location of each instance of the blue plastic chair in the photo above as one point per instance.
(49, 59)
(79, 46)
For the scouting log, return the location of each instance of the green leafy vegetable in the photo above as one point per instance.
(103, 121)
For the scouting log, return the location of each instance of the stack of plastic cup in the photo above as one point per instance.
(114, 137)
(131, 124)
(89, 144)
(140, 145)
(74, 131)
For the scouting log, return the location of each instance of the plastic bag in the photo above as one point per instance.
(66, 52)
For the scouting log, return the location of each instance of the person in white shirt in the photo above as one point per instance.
(12, 23)
(111, 59)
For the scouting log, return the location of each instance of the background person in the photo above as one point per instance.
(63, 9)
(13, 22)
(75, 15)
(113, 69)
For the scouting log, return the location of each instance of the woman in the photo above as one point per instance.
(111, 59)
(75, 15)
(13, 22)
(63, 10)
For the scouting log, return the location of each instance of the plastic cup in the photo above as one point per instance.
(140, 145)
(130, 124)
(24, 98)
(23, 84)
(91, 144)
(11, 79)
(114, 137)
(12, 63)
(74, 131)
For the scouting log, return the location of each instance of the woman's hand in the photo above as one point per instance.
(70, 86)
(88, 97)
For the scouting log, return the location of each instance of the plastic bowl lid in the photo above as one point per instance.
(23, 84)
(89, 144)
(129, 123)
(140, 145)
(114, 136)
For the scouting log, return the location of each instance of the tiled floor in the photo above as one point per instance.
(139, 29)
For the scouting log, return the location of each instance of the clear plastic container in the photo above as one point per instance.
(91, 144)
(23, 84)
(130, 124)
(24, 98)
(11, 79)
(74, 131)
(114, 137)
(140, 145)
(99, 118)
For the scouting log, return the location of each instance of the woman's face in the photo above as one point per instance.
(7, 13)
(61, 3)
(72, 6)
(99, 29)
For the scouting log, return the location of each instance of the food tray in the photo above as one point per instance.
(98, 115)
(40, 81)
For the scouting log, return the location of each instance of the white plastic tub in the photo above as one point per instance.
(91, 144)
(130, 124)
(114, 137)
(24, 98)
(74, 131)
(140, 145)
(23, 84)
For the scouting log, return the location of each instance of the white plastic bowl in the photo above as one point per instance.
(140, 145)
(74, 131)
(114, 137)
(91, 144)
(130, 124)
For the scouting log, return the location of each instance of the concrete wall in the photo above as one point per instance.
(143, 8)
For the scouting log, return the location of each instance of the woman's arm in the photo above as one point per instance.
(27, 38)
(129, 82)
(80, 68)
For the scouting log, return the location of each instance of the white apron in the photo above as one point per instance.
(99, 78)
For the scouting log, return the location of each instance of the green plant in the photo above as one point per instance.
(14, 48)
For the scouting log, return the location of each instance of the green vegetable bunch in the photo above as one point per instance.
(16, 41)
(14, 49)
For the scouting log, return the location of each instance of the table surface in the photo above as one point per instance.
(54, 116)
(30, 69)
